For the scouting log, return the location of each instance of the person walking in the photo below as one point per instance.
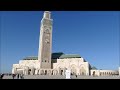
(76, 75)
(13, 75)
(17, 76)
(21, 76)
(1, 76)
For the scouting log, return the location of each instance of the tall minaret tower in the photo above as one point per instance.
(45, 41)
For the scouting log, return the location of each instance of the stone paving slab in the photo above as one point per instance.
(62, 77)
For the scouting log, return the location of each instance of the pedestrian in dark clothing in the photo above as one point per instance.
(18, 76)
(13, 75)
(1, 76)
(21, 76)
(76, 76)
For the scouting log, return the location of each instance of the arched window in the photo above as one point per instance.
(47, 31)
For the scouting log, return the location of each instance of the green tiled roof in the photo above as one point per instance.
(58, 55)
(31, 58)
(94, 68)
(61, 55)
(69, 56)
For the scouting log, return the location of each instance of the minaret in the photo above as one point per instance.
(45, 41)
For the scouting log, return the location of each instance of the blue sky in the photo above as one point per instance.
(94, 35)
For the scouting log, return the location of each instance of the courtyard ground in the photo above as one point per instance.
(63, 77)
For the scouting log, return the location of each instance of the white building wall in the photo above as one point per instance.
(67, 62)
(30, 63)
(97, 72)
(25, 63)
(70, 63)
(104, 72)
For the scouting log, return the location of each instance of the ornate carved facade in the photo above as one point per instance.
(48, 63)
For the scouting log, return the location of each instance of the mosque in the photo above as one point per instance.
(48, 63)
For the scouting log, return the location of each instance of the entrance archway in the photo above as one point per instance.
(73, 71)
(82, 71)
(49, 72)
(41, 72)
(55, 72)
(29, 71)
(61, 72)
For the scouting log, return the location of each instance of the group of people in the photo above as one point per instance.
(14, 76)
(18, 76)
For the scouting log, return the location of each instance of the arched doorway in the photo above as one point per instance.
(29, 71)
(82, 71)
(33, 71)
(41, 72)
(49, 72)
(54, 72)
(73, 71)
(61, 72)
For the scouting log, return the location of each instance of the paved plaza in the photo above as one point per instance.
(63, 77)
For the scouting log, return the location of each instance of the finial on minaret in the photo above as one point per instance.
(47, 15)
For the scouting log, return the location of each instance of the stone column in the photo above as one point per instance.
(53, 72)
(49, 72)
(36, 71)
(14, 70)
(64, 71)
(98, 72)
(59, 71)
(39, 71)
(32, 71)
(26, 70)
(56, 72)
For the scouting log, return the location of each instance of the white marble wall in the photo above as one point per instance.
(77, 64)
(104, 72)
(72, 63)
